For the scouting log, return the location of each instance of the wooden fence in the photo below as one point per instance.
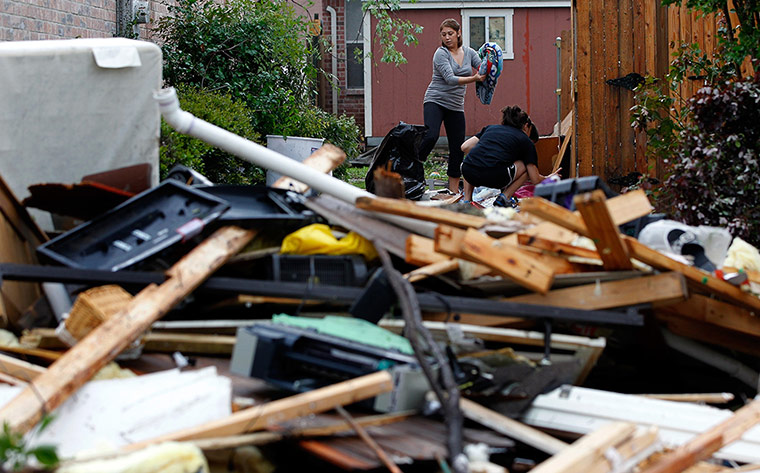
(614, 38)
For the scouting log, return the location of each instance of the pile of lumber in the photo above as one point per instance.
(545, 281)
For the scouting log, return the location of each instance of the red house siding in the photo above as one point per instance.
(529, 80)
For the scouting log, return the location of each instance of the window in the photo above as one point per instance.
(354, 42)
(495, 26)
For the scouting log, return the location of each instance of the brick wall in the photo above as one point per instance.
(25, 20)
(350, 101)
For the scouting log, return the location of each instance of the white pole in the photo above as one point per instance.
(188, 124)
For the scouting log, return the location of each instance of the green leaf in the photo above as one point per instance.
(45, 454)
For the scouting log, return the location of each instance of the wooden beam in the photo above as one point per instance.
(640, 442)
(511, 428)
(585, 452)
(709, 334)
(299, 405)
(705, 280)
(19, 368)
(407, 208)
(712, 398)
(433, 269)
(448, 241)
(560, 248)
(325, 159)
(665, 288)
(508, 260)
(705, 444)
(82, 361)
(715, 312)
(602, 230)
(420, 251)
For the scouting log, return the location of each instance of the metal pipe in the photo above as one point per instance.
(186, 123)
(334, 60)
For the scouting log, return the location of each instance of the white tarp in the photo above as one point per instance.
(69, 108)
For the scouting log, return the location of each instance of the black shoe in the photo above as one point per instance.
(503, 201)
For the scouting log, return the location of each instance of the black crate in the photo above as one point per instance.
(143, 226)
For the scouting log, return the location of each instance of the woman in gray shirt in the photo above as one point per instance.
(444, 99)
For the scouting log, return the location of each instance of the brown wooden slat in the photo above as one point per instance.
(584, 122)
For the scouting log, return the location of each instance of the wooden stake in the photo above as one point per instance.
(81, 362)
(259, 417)
(611, 249)
(705, 444)
(511, 428)
(407, 208)
(369, 441)
(324, 160)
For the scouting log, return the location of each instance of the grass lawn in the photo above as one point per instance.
(435, 168)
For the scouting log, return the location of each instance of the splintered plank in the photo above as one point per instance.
(434, 269)
(666, 288)
(81, 362)
(325, 159)
(601, 228)
(420, 251)
(705, 444)
(585, 452)
(508, 260)
(448, 240)
(558, 247)
(299, 405)
(712, 311)
(511, 428)
(407, 208)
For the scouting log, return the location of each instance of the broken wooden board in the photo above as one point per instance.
(507, 260)
(448, 241)
(20, 236)
(705, 444)
(709, 333)
(553, 246)
(104, 343)
(407, 208)
(20, 369)
(420, 251)
(613, 252)
(326, 159)
(665, 288)
(299, 405)
(715, 312)
(511, 428)
(433, 269)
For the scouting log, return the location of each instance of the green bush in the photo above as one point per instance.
(219, 166)
(259, 53)
(715, 174)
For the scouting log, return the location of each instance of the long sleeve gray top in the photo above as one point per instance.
(444, 88)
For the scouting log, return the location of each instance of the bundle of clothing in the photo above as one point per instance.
(490, 66)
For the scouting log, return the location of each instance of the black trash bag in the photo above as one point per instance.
(401, 146)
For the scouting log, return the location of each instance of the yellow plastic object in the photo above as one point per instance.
(318, 239)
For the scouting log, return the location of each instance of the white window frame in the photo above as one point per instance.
(508, 51)
(349, 46)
